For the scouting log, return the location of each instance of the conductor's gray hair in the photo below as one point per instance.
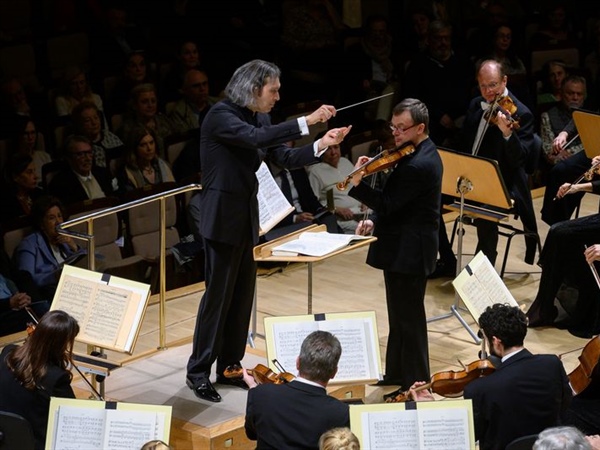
(248, 80)
(561, 438)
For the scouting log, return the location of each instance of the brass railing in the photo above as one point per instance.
(91, 247)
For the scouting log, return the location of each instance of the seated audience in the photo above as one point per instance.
(296, 414)
(80, 179)
(553, 74)
(39, 369)
(323, 178)
(135, 72)
(26, 138)
(341, 438)
(20, 187)
(87, 121)
(75, 90)
(537, 383)
(144, 112)
(566, 276)
(189, 112)
(187, 59)
(142, 164)
(15, 102)
(43, 253)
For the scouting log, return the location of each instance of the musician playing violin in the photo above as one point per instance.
(295, 414)
(525, 395)
(407, 217)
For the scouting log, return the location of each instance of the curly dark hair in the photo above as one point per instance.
(507, 323)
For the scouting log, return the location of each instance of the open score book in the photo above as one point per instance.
(316, 244)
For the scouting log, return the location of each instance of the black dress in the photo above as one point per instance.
(567, 277)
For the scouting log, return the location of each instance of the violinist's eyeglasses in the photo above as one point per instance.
(394, 128)
(491, 86)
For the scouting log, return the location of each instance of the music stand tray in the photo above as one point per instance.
(588, 127)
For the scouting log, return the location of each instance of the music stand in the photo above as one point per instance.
(480, 179)
(588, 127)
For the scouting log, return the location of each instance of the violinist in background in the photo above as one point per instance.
(296, 414)
(407, 217)
(566, 273)
(509, 139)
(525, 395)
(37, 370)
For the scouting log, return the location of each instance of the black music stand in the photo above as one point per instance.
(480, 179)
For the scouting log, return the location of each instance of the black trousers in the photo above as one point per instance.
(407, 355)
(224, 312)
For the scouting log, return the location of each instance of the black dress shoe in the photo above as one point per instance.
(443, 269)
(204, 390)
(237, 382)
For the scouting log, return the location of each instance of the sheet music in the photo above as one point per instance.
(272, 204)
(78, 428)
(480, 286)
(127, 430)
(358, 360)
(390, 429)
(443, 429)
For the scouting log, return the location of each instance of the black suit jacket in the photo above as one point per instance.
(292, 416)
(512, 154)
(407, 213)
(66, 186)
(306, 197)
(233, 142)
(525, 395)
(32, 405)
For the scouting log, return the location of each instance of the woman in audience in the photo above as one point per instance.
(27, 142)
(44, 252)
(87, 121)
(136, 71)
(75, 90)
(144, 112)
(142, 164)
(553, 74)
(39, 369)
(21, 187)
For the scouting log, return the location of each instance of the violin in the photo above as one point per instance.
(581, 377)
(450, 383)
(506, 106)
(263, 375)
(382, 161)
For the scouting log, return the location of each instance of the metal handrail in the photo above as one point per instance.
(89, 237)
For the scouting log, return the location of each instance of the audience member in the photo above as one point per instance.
(442, 79)
(28, 142)
(142, 164)
(20, 187)
(87, 121)
(75, 90)
(537, 382)
(189, 112)
(552, 76)
(323, 178)
(135, 71)
(341, 438)
(37, 370)
(565, 273)
(371, 72)
(561, 438)
(43, 252)
(80, 179)
(144, 112)
(555, 30)
(415, 42)
(296, 414)
(555, 120)
(188, 58)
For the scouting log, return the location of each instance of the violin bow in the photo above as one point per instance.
(594, 271)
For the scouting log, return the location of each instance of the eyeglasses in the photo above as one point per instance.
(491, 86)
(394, 128)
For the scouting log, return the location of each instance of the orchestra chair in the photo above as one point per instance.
(15, 432)
(13, 232)
(523, 443)
(175, 143)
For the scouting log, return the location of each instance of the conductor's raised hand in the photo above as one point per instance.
(334, 136)
(323, 114)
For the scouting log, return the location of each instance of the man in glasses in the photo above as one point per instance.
(189, 112)
(407, 217)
